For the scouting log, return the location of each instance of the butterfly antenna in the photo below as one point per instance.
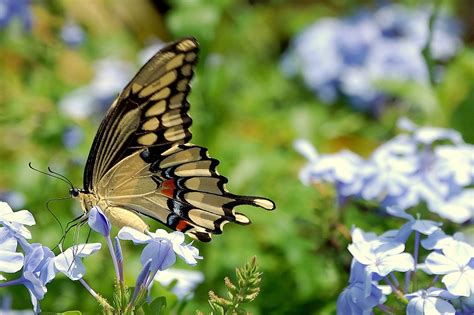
(61, 176)
(51, 175)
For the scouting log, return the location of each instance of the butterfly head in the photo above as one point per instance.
(74, 192)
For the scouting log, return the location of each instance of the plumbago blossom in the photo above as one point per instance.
(379, 263)
(423, 164)
(39, 265)
(346, 58)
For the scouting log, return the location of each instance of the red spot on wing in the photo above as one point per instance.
(182, 225)
(168, 187)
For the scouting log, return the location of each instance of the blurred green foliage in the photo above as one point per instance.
(244, 110)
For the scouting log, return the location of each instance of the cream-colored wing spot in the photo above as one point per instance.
(186, 70)
(156, 109)
(182, 85)
(203, 218)
(180, 157)
(199, 168)
(159, 84)
(241, 218)
(186, 45)
(190, 57)
(264, 203)
(176, 62)
(151, 124)
(209, 184)
(177, 99)
(147, 139)
(175, 133)
(136, 87)
(172, 118)
(164, 93)
(208, 202)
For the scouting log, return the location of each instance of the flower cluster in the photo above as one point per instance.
(348, 57)
(376, 259)
(40, 265)
(424, 164)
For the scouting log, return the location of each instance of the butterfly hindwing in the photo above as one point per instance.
(181, 189)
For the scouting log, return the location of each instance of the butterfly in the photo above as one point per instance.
(141, 161)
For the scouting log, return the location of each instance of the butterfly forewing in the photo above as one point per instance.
(141, 160)
(151, 112)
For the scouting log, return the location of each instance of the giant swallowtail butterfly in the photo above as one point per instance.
(141, 161)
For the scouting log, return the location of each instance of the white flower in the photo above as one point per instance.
(15, 221)
(439, 240)
(10, 260)
(430, 302)
(456, 265)
(69, 262)
(187, 252)
(380, 255)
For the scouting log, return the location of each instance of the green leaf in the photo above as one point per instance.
(157, 306)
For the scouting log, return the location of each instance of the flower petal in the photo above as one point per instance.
(459, 283)
(10, 261)
(440, 264)
(130, 234)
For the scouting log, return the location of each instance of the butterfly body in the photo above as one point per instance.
(141, 161)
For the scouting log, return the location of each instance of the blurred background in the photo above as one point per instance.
(339, 73)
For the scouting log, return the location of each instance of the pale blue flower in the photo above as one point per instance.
(69, 262)
(439, 240)
(431, 301)
(72, 34)
(160, 252)
(343, 168)
(456, 163)
(388, 171)
(380, 255)
(427, 135)
(98, 221)
(355, 301)
(458, 208)
(186, 281)
(187, 252)
(15, 222)
(456, 264)
(37, 272)
(141, 283)
(10, 260)
(316, 48)
(349, 57)
(118, 257)
(403, 172)
(426, 227)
